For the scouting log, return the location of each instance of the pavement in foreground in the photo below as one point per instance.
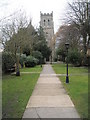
(49, 98)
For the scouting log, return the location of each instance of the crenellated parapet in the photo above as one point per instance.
(46, 14)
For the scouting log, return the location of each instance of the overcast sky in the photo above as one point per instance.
(32, 9)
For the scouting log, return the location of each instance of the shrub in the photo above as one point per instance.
(36, 61)
(74, 57)
(37, 55)
(61, 53)
(31, 61)
(22, 59)
(8, 61)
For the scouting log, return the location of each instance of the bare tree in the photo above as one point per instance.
(79, 15)
(13, 38)
(69, 33)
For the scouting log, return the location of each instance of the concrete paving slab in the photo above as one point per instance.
(48, 86)
(48, 80)
(47, 69)
(61, 112)
(50, 101)
(30, 113)
(48, 75)
(57, 112)
(48, 90)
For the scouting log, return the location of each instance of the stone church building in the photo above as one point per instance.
(46, 22)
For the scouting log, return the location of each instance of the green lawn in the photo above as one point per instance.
(61, 69)
(16, 92)
(77, 88)
(33, 69)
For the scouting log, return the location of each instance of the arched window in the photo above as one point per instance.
(44, 22)
(48, 22)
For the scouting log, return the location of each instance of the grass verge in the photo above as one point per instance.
(16, 92)
(77, 88)
(38, 68)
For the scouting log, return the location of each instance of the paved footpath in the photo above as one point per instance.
(49, 98)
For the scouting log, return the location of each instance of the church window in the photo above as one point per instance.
(44, 22)
(48, 22)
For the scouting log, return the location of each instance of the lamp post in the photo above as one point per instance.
(67, 77)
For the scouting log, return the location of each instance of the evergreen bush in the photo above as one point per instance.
(74, 57)
(8, 61)
(22, 60)
(37, 55)
(31, 61)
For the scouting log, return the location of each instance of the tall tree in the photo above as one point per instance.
(41, 44)
(14, 37)
(79, 14)
(68, 33)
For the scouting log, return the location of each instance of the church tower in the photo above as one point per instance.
(46, 22)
